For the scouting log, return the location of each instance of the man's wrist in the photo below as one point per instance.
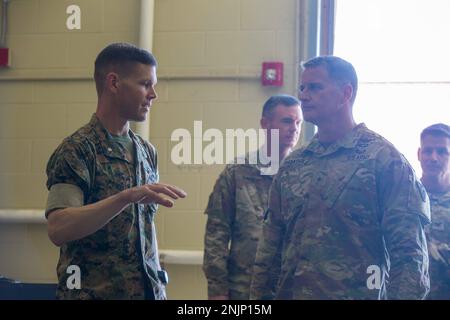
(125, 197)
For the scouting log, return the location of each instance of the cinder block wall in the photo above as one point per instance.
(209, 52)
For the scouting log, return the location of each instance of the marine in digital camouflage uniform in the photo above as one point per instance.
(434, 156)
(104, 189)
(346, 212)
(237, 204)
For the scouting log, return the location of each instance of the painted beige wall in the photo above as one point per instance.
(209, 53)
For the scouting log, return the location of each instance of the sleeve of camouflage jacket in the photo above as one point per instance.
(266, 269)
(221, 212)
(69, 164)
(406, 209)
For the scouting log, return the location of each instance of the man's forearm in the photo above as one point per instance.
(71, 223)
(75, 223)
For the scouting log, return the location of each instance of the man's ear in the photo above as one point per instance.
(418, 155)
(348, 93)
(112, 81)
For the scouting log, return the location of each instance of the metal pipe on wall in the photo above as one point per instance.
(327, 18)
(4, 23)
(145, 42)
(316, 37)
(37, 217)
(308, 45)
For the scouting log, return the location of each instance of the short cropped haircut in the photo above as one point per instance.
(436, 130)
(338, 69)
(279, 99)
(119, 57)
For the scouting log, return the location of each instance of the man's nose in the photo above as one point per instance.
(151, 94)
(303, 95)
(434, 155)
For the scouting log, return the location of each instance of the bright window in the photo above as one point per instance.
(401, 52)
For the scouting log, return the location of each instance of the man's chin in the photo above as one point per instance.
(432, 172)
(143, 115)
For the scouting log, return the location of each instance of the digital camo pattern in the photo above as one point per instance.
(235, 214)
(118, 259)
(438, 236)
(338, 213)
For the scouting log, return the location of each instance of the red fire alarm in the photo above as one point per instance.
(4, 57)
(272, 74)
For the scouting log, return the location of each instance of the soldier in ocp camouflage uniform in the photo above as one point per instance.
(104, 189)
(237, 203)
(434, 156)
(346, 212)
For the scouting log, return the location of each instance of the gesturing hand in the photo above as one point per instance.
(153, 193)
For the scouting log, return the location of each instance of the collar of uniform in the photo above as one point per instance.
(141, 155)
(104, 139)
(348, 141)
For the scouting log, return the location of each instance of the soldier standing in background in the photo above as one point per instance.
(237, 203)
(104, 190)
(346, 212)
(434, 157)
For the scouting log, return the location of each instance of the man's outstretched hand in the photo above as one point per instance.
(153, 193)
